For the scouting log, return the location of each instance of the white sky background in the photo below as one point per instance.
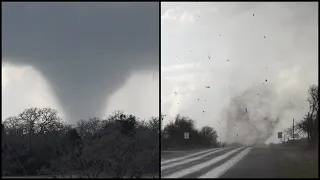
(23, 87)
(287, 58)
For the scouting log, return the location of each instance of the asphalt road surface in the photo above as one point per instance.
(240, 162)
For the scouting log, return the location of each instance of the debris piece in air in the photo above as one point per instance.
(252, 14)
(177, 103)
(203, 111)
(281, 9)
(266, 80)
(208, 57)
(198, 99)
(227, 59)
(207, 86)
(237, 134)
(219, 34)
(175, 92)
(264, 36)
(246, 110)
(258, 94)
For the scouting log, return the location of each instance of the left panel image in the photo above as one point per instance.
(80, 89)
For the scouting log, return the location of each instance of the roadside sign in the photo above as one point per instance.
(186, 135)
(279, 134)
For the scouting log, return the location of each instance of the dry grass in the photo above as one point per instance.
(300, 163)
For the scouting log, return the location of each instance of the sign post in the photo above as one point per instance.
(280, 135)
(186, 135)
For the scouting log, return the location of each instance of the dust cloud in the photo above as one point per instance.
(252, 117)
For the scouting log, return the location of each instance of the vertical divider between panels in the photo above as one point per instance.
(160, 116)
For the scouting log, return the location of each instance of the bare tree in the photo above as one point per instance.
(309, 123)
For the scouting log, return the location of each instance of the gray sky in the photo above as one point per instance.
(234, 48)
(84, 59)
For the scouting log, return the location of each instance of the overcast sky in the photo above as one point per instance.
(84, 59)
(259, 56)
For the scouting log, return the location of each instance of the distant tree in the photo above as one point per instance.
(89, 128)
(175, 130)
(209, 136)
(309, 123)
(38, 141)
(154, 124)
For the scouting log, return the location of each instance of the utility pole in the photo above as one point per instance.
(308, 129)
(293, 129)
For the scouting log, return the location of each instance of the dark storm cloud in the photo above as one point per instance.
(85, 50)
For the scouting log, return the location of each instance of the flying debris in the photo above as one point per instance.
(264, 36)
(177, 103)
(281, 9)
(205, 100)
(258, 94)
(203, 111)
(175, 92)
(198, 99)
(246, 110)
(219, 34)
(190, 50)
(237, 134)
(207, 86)
(227, 59)
(266, 80)
(209, 57)
(252, 14)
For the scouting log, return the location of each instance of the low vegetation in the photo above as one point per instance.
(39, 142)
(173, 135)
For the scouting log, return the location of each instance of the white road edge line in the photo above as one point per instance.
(184, 157)
(220, 170)
(202, 165)
(189, 160)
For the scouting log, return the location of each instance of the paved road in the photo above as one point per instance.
(210, 163)
(243, 162)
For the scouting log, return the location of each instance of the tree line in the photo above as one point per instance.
(173, 135)
(307, 127)
(39, 142)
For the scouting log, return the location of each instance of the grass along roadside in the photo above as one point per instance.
(300, 163)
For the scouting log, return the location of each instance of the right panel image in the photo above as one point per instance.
(239, 90)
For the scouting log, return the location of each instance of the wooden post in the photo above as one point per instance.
(293, 129)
